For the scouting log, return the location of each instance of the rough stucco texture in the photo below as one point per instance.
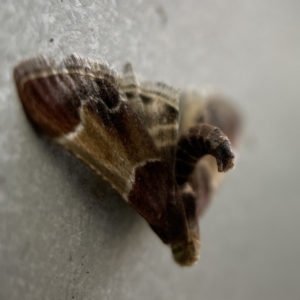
(65, 234)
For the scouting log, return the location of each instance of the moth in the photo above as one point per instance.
(160, 148)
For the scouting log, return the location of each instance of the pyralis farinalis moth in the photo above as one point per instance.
(133, 134)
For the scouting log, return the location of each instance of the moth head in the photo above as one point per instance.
(187, 253)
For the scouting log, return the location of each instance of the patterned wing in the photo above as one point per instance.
(162, 117)
(80, 105)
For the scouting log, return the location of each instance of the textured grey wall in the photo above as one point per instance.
(65, 234)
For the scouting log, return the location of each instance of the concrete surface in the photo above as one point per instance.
(65, 234)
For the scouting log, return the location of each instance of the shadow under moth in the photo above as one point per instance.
(162, 149)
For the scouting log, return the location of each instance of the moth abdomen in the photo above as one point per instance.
(201, 140)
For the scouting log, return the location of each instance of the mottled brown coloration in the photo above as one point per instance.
(127, 131)
(156, 104)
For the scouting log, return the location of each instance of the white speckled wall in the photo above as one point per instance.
(65, 234)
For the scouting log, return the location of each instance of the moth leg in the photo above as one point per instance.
(201, 140)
